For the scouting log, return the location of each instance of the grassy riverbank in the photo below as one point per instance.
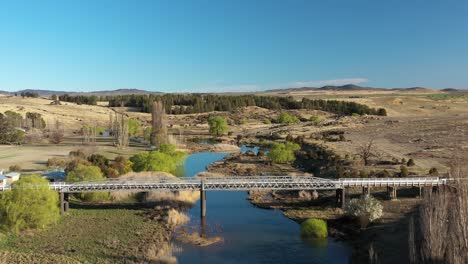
(91, 236)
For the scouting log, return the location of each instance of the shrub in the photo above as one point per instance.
(14, 168)
(315, 228)
(29, 204)
(410, 163)
(99, 160)
(79, 153)
(134, 127)
(315, 119)
(87, 173)
(166, 159)
(122, 165)
(56, 163)
(218, 125)
(366, 209)
(381, 112)
(283, 152)
(433, 172)
(285, 118)
(267, 121)
(403, 171)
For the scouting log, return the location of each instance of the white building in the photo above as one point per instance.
(3, 180)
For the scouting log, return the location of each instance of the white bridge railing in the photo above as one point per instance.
(237, 183)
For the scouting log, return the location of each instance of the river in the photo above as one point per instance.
(251, 234)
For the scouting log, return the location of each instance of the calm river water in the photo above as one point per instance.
(251, 234)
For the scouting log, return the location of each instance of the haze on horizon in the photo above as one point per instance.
(232, 46)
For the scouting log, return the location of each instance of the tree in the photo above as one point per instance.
(433, 172)
(158, 124)
(366, 209)
(285, 118)
(283, 152)
(218, 125)
(439, 231)
(89, 133)
(120, 130)
(83, 172)
(403, 171)
(165, 159)
(122, 165)
(367, 151)
(410, 163)
(57, 133)
(29, 204)
(10, 133)
(134, 127)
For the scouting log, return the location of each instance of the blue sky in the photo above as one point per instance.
(231, 45)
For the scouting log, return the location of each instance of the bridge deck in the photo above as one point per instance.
(238, 183)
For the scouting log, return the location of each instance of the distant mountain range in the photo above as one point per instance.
(350, 87)
(97, 93)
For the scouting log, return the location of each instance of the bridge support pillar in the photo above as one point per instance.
(64, 202)
(392, 192)
(340, 198)
(203, 201)
(366, 191)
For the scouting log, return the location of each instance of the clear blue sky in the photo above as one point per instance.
(179, 46)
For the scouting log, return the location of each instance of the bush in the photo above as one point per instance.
(56, 163)
(315, 228)
(99, 160)
(315, 119)
(134, 127)
(433, 172)
(267, 122)
(83, 172)
(14, 168)
(285, 118)
(403, 171)
(218, 125)
(122, 165)
(79, 154)
(410, 163)
(166, 159)
(283, 152)
(366, 209)
(29, 204)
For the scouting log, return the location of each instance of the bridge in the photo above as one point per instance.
(238, 183)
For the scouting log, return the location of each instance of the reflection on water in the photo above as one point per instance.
(251, 235)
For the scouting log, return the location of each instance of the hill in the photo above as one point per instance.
(47, 93)
(348, 87)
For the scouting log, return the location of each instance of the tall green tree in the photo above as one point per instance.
(30, 204)
(218, 125)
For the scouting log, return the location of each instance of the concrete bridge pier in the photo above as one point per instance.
(366, 190)
(340, 198)
(392, 192)
(203, 201)
(64, 202)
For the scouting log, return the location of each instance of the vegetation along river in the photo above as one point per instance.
(251, 234)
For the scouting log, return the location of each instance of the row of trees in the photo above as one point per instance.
(201, 103)
(12, 126)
